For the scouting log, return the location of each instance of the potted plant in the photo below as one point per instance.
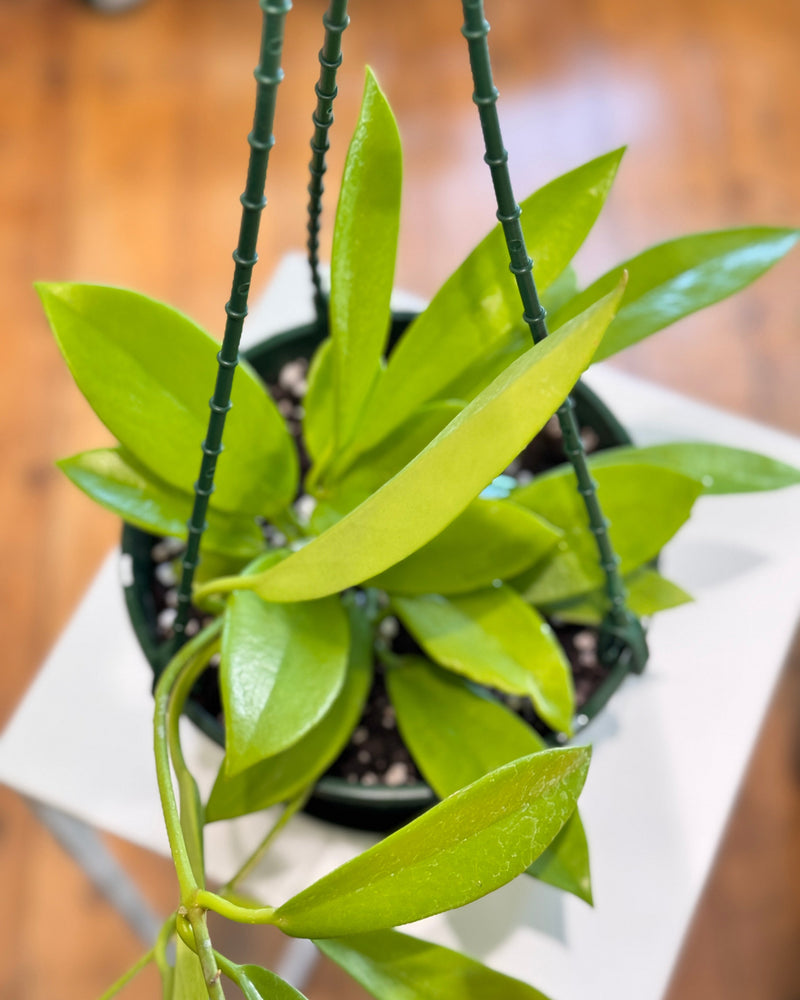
(299, 602)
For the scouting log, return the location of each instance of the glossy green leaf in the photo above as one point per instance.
(718, 468)
(476, 313)
(261, 984)
(282, 666)
(318, 403)
(328, 512)
(677, 278)
(363, 256)
(476, 446)
(374, 468)
(561, 291)
(645, 505)
(116, 481)
(394, 966)
(456, 735)
(281, 777)
(463, 848)
(474, 379)
(188, 982)
(492, 540)
(565, 863)
(215, 564)
(148, 372)
(648, 593)
(495, 638)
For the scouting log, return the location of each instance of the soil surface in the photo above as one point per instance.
(376, 754)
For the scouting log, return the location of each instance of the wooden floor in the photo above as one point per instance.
(121, 160)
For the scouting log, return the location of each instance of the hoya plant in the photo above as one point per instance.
(397, 501)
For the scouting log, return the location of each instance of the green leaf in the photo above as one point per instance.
(318, 403)
(463, 848)
(282, 666)
(477, 313)
(648, 593)
(680, 277)
(394, 966)
(188, 982)
(363, 256)
(494, 638)
(565, 863)
(456, 735)
(718, 468)
(261, 984)
(374, 468)
(148, 373)
(561, 291)
(284, 775)
(116, 481)
(645, 506)
(482, 545)
(476, 446)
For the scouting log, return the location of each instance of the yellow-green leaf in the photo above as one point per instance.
(495, 638)
(456, 735)
(482, 545)
(476, 314)
(718, 468)
(471, 843)
(188, 982)
(261, 984)
(374, 468)
(648, 593)
(363, 256)
(644, 504)
(394, 966)
(282, 666)
(476, 446)
(143, 366)
(281, 777)
(318, 403)
(565, 863)
(679, 277)
(116, 481)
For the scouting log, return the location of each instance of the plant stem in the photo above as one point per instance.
(291, 807)
(268, 75)
(233, 911)
(160, 953)
(621, 627)
(184, 660)
(129, 975)
(335, 21)
(182, 689)
(231, 970)
(208, 961)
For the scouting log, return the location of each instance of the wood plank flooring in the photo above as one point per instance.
(121, 160)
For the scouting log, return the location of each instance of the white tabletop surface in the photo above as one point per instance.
(669, 752)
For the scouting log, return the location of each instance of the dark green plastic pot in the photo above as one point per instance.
(360, 807)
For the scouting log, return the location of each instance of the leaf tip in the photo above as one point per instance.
(615, 155)
(47, 290)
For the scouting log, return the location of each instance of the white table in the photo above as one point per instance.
(669, 754)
